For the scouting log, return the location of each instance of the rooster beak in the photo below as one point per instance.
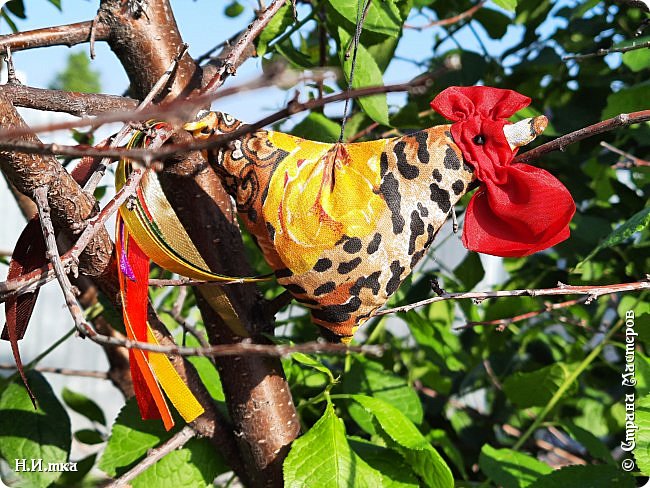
(524, 131)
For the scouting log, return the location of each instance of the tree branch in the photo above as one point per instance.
(102, 375)
(62, 35)
(449, 21)
(630, 161)
(501, 324)
(237, 50)
(154, 455)
(592, 292)
(244, 348)
(70, 206)
(418, 85)
(37, 278)
(40, 197)
(605, 52)
(75, 103)
(622, 120)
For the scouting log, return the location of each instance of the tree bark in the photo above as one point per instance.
(69, 204)
(257, 394)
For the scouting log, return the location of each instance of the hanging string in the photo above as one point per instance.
(361, 17)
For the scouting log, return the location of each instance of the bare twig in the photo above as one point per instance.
(62, 35)
(62, 371)
(592, 292)
(40, 198)
(501, 324)
(177, 109)
(560, 143)
(449, 21)
(177, 441)
(418, 85)
(11, 71)
(31, 281)
(546, 446)
(605, 52)
(243, 42)
(239, 349)
(364, 132)
(96, 177)
(630, 161)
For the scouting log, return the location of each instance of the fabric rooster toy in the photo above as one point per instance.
(342, 225)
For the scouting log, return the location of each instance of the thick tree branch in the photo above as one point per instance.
(415, 86)
(75, 103)
(62, 35)
(70, 206)
(145, 46)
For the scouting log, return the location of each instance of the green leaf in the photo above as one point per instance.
(16, 7)
(297, 59)
(88, 436)
(372, 379)
(196, 464)
(592, 476)
(509, 5)
(367, 73)
(83, 405)
(634, 224)
(9, 20)
(440, 438)
(638, 59)
(597, 448)
(56, 3)
(470, 272)
(234, 9)
(642, 448)
(317, 127)
(276, 27)
(383, 15)
(537, 387)
(207, 371)
(31, 434)
(130, 439)
(400, 434)
(511, 469)
(627, 100)
(395, 473)
(306, 360)
(494, 22)
(322, 457)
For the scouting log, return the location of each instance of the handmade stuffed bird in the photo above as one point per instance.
(342, 225)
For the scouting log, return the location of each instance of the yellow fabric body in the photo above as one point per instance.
(348, 205)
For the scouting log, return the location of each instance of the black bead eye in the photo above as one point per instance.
(479, 139)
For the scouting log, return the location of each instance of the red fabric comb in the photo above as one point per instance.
(519, 209)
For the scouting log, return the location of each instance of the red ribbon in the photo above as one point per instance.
(519, 209)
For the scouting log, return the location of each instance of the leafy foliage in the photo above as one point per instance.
(77, 75)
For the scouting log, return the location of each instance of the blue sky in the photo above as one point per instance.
(203, 25)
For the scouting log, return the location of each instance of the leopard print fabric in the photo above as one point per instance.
(342, 225)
